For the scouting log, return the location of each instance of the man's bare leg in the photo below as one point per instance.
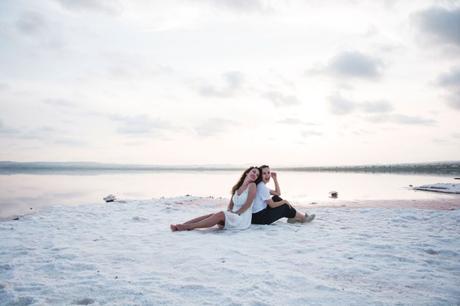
(299, 217)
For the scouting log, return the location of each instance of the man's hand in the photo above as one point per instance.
(273, 175)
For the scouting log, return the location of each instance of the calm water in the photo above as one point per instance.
(20, 192)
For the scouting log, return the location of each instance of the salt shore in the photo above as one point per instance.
(125, 254)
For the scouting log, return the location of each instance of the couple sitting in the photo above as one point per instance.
(251, 203)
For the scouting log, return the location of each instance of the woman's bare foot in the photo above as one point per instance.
(182, 227)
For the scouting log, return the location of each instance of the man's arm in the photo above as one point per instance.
(274, 204)
(277, 190)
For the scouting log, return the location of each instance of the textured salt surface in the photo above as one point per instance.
(440, 187)
(124, 253)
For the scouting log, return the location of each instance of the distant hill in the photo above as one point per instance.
(448, 167)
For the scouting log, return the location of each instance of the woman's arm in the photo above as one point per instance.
(230, 204)
(277, 190)
(251, 195)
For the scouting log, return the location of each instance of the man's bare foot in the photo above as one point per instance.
(173, 227)
(309, 218)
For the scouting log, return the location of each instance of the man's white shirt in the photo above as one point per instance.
(262, 195)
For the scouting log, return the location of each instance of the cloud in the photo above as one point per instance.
(450, 79)
(376, 107)
(295, 121)
(240, 5)
(40, 133)
(310, 133)
(280, 99)
(233, 82)
(112, 7)
(402, 119)
(352, 64)
(45, 133)
(4, 130)
(4, 87)
(453, 100)
(214, 126)
(133, 70)
(30, 23)
(70, 142)
(342, 106)
(451, 82)
(34, 28)
(61, 103)
(440, 24)
(139, 125)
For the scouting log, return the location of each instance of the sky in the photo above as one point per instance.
(220, 82)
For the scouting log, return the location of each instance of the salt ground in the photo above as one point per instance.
(125, 254)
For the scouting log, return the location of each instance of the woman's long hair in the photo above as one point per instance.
(243, 176)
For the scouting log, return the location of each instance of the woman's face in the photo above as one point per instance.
(253, 174)
(266, 175)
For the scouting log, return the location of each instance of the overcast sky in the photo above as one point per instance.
(312, 82)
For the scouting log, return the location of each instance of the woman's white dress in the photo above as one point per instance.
(239, 222)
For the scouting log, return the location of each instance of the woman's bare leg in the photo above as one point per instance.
(213, 219)
(198, 219)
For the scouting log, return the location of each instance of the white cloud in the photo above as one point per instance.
(139, 125)
(60, 103)
(105, 6)
(402, 119)
(214, 126)
(353, 64)
(31, 23)
(295, 121)
(440, 24)
(233, 83)
(341, 106)
(241, 5)
(280, 99)
(451, 82)
(450, 79)
(376, 107)
(311, 133)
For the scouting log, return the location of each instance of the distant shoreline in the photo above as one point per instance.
(438, 168)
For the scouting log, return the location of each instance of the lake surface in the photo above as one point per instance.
(21, 192)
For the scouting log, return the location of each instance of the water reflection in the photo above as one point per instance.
(21, 192)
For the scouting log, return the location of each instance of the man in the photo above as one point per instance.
(268, 207)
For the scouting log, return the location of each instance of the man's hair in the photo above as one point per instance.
(264, 166)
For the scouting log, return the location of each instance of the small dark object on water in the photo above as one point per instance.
(334, 194)
(456, 178)
(410, 185)
(16, 218)
(110, 198)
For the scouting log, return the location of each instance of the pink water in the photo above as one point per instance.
(20, 192)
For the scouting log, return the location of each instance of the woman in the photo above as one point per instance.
(239, 212)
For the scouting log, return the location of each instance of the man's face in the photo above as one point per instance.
(266, 175)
